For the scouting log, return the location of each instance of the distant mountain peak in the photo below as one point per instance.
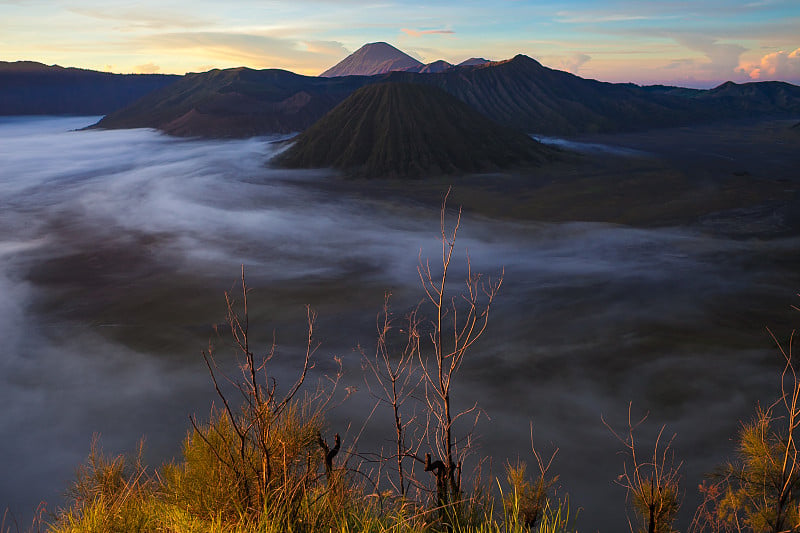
(437, 66)
(725, 85)
(523, 59)
(473, 61)
(371, 59)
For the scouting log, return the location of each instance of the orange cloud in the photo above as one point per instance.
(418, 33)
(779, 65)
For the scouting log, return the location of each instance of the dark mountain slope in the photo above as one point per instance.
(519, 93)
(528, 96)
(409, 130)
(754, 98)
(473, 61)
(371, 59)
(672, 90)
(236, 102)
(29, 88)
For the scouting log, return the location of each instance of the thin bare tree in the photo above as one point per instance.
(459, 321)
(392, 379)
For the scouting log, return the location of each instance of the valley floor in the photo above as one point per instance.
(738, 177)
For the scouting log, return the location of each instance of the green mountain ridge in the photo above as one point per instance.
(402, 130)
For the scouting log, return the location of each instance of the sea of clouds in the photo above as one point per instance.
(591, 316)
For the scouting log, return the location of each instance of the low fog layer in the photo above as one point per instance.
(586, 147)
(117, 246)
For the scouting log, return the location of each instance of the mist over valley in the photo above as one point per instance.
(641, 267)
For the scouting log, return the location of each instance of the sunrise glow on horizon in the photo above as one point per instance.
(695, 44)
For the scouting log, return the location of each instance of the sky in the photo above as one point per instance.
(681, 42)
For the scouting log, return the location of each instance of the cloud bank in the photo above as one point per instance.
(779, 65)
(723, 58)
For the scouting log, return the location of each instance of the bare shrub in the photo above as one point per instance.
(259, 450)
(651, 480)
(760, 490)
(392, 379)
(528, 499)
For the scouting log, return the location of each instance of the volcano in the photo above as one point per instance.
(371, 59)
(404, 130)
